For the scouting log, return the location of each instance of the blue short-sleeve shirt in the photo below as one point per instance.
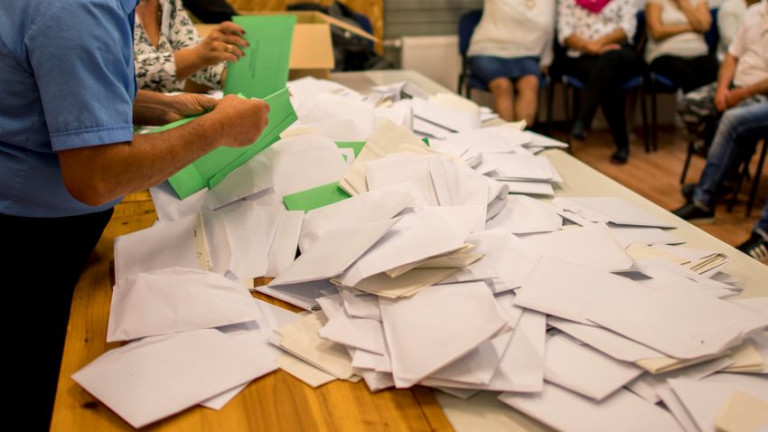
(66, 81)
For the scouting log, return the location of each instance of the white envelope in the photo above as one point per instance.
(525, 215)
(303, 295)
(367, 207)
(336, 117)
(610, 209)
(333, 253)
(245, 223)
(585, 370)
(174, 300)
(437, 326)
(360, 333)
(250, 178)
(198, 241)
(478, 366)
(360, 305)
(519, 166)
(449, 119)
(529, 187)
(399, 168)
(704, 398)
(304, 162)
(570, 412)
(156, 377)
(285, 242)
(568, 290)
(415, 237)
(592, 246)
(170, 208)
(627, 235)
(681, 325)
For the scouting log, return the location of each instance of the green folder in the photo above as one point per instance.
(210, 169)
(264, 69)
(311, 199)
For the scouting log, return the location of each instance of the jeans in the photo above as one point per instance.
(761, 227)
(739, 129)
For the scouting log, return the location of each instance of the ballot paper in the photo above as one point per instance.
(570, 412)
(423, 332)
(742, 412)
(197, 241)
(333, 252)
(585, 370)
(282, 251)
(174, 300)
(592, 246)
(368, 207)
(448, 118)
(404, 285)
(610, 209)
(156, 377)
(525, 215)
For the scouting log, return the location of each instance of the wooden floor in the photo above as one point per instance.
(656, 176)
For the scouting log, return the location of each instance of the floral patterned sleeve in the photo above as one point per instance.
(156, 67)
(628, 19)
(565, 20)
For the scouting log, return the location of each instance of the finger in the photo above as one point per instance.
(228, 27)
(236, 40)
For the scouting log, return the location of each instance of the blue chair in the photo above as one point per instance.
(635, 82)
(657, 83)
(467, 23)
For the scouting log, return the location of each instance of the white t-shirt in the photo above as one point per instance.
(687, 45)
(729, 20)
(515, 28)
(750, 46)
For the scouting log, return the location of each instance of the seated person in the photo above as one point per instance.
(676, 46)
(756, 245)
(742, 78)
(168, 49)
(739, 129)
(598, 36)
(729, 18)
(509, 49)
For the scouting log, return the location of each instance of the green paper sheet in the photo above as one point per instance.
(264, 68)
(356, 146)
(317, 197)
(210, 169)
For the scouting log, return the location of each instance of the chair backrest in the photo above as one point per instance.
(467, 23)
(712, 36)
(640, 33)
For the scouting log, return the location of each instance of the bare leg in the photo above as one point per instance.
(527, 98)
(503, 96)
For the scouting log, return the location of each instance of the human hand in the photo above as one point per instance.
(189, 104)
(593, 48)
(544, 69)
(224, 43)
(609, 47)
(735, 96)
(241, 120)
(721, 99)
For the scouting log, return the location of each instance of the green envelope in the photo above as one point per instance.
(210, 169)
(317, 197)
(264, 69)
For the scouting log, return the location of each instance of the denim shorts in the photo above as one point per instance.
(488, 68)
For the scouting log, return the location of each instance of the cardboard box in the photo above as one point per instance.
(311, 48)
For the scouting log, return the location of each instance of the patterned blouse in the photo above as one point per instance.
(156, 68)
(574, 19)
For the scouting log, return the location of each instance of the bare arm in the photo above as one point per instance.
(698, 16)
(99, 174)
(724, 78)
(656, 29)
(154, 109)
(738, 94)
(224, 43)
(599, 45)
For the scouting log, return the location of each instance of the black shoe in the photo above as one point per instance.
(578, 130)
(722, 192)
(756, 247)
(620, 156)
(691, 212)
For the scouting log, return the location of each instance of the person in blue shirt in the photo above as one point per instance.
(68, 105)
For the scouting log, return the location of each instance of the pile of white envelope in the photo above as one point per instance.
(580, 312)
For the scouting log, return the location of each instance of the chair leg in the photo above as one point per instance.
(568, 117)
(756, 181)
(655, 120)
(644, 115)
(550, 100)
(687, 162)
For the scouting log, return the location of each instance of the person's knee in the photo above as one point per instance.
(528, 84)
(501, 85)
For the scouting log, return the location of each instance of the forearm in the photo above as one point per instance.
(117, 169)
(151, 108)
(576, 42)
(725, 74)
(188, 61)
(617, 36)
(698, 16)
(760, 87)
(665, 31)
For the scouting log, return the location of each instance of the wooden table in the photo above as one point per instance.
(279, 402)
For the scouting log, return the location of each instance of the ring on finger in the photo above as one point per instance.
(229, 48)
